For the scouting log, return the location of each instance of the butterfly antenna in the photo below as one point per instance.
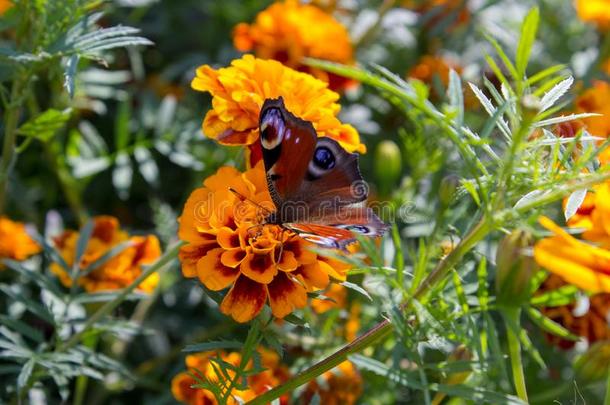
(244, 198)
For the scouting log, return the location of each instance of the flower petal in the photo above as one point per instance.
(285, 295)
(259, 267)
(213, 273)
(245, 299)
(312, 276)
(233, 257)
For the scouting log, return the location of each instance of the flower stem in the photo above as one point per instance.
(607, 397)
(11, 119)
(110, 306)
(383, 329)
(511, 316)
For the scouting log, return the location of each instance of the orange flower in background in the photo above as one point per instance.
(337, 298)
(204, 366)
(594, 11)
(5, 5)
(592, 325)
(15, 243)
(117, 272)
(431, 69)
(239, 91)
(576, 262)
(339, 386)
(290, 31)
(595, 100)
(228, 248)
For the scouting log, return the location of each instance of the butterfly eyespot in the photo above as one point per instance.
(324, 158)
(272, 128)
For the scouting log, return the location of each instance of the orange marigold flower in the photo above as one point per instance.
(594, 11)
(595, 100)
(5, 5)
(119, 271)
(592, 325)
(239, 91)
(229, 248)
(202, 365)
(288, 31)
(431, 67)
(337, 295)
(581, 264)
(342, 386)
(15, 243)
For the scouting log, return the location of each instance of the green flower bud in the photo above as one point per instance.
(388, 166)
(514, 269)
(592, 365)
(447, 188)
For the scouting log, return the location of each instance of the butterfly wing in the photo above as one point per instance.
(303, 170)
(340, 229)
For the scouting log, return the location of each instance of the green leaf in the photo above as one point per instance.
(46, 125)
(111, 253)
(561, 296)
(526, 41)
(472, 190)
(357, 288)
(25, 374)
(549, 325)
(456, 96)
(22, 328)
(81, 247)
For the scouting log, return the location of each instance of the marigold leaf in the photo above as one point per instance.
(213, 345)
(44, 126)
(526, 41)
(549, 325)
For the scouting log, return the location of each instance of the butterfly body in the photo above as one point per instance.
(314, 183)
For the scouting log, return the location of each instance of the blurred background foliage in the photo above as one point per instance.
(126, 141)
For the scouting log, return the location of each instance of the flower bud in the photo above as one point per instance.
(514, 269)
(447, 188)
(388, 166)
(592, 365)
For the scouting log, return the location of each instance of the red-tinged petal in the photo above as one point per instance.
(259, 267)
(287, 261)
(285, 295)
(213, 273)
(245, 300)
(190, 254)
(312, 276)
(301, 250)
(233, 257)
(227, 238)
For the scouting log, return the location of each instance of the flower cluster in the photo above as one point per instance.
(203, 366)
(15, 243)
(117, 272)
(591, 325)
(239, 91)
(339, 386)
(230, 248)
(594, 11)
(585, 264)
(289, 31)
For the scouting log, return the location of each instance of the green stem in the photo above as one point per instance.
(607, 397)
(512, 320)
(383, 329)
(11, 119)
(110, 306)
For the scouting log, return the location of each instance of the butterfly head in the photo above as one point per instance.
(272, 124)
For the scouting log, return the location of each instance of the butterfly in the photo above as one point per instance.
(315, 184)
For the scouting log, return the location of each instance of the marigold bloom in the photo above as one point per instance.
(337, 295)
(202, 365)
(119, 271)
(5, 5)
(228, 247)
(592, 325)
(581, 264)
(239, 91)
(342, 386)
(15, 243)
(288, 31)
(595, 100)
(594, 11)
(430, 67)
